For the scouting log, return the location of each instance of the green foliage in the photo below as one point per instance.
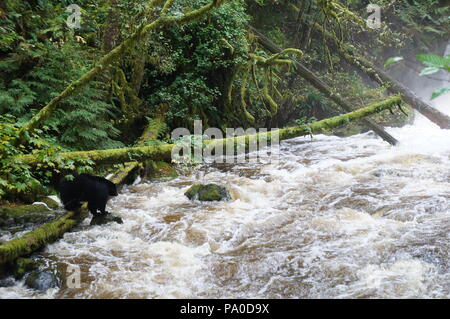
(435, 63)
(41, 56)
(421, 15)
(188, 65)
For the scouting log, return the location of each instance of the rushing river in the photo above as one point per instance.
(335, 218)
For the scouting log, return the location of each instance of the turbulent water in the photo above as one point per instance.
(336, 217)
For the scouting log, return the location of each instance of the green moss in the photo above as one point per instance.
(51, 203)
(39, 237)
(22, 266)
(19, 210)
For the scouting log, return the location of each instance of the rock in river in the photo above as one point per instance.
(210, 192)
(105, 219)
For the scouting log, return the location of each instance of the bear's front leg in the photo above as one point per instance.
(93, 208)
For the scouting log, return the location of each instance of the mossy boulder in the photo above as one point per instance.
(207, 193)
(105, 219)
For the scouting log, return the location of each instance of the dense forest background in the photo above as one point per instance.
(209, 69)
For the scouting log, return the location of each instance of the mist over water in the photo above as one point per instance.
(337, 217)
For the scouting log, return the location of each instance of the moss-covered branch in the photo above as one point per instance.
(113, 55)
(312, 128)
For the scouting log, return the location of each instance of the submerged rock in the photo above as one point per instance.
(209, 192)
(7, 282)
(43, 279)
(105, 219)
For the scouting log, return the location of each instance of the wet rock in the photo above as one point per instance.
(43, 279)
(7, 282)
(391, 172)
(209, 192)
(22, 266)
(105, 219)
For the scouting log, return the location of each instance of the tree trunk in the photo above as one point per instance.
(163, 151)
(384, 79)
(324, 88)
(111, 31)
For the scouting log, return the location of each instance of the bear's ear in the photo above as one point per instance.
(112, 190)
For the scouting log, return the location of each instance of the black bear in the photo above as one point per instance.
(86, 188)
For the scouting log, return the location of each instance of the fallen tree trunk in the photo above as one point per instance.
(43, 235)
(164, 151)
(106, 60)
(324, 88)
(385, 80)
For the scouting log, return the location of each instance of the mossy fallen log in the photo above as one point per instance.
(308, 75)
(143, 31)
(164, 151)
(349, 53)
(318, 127)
